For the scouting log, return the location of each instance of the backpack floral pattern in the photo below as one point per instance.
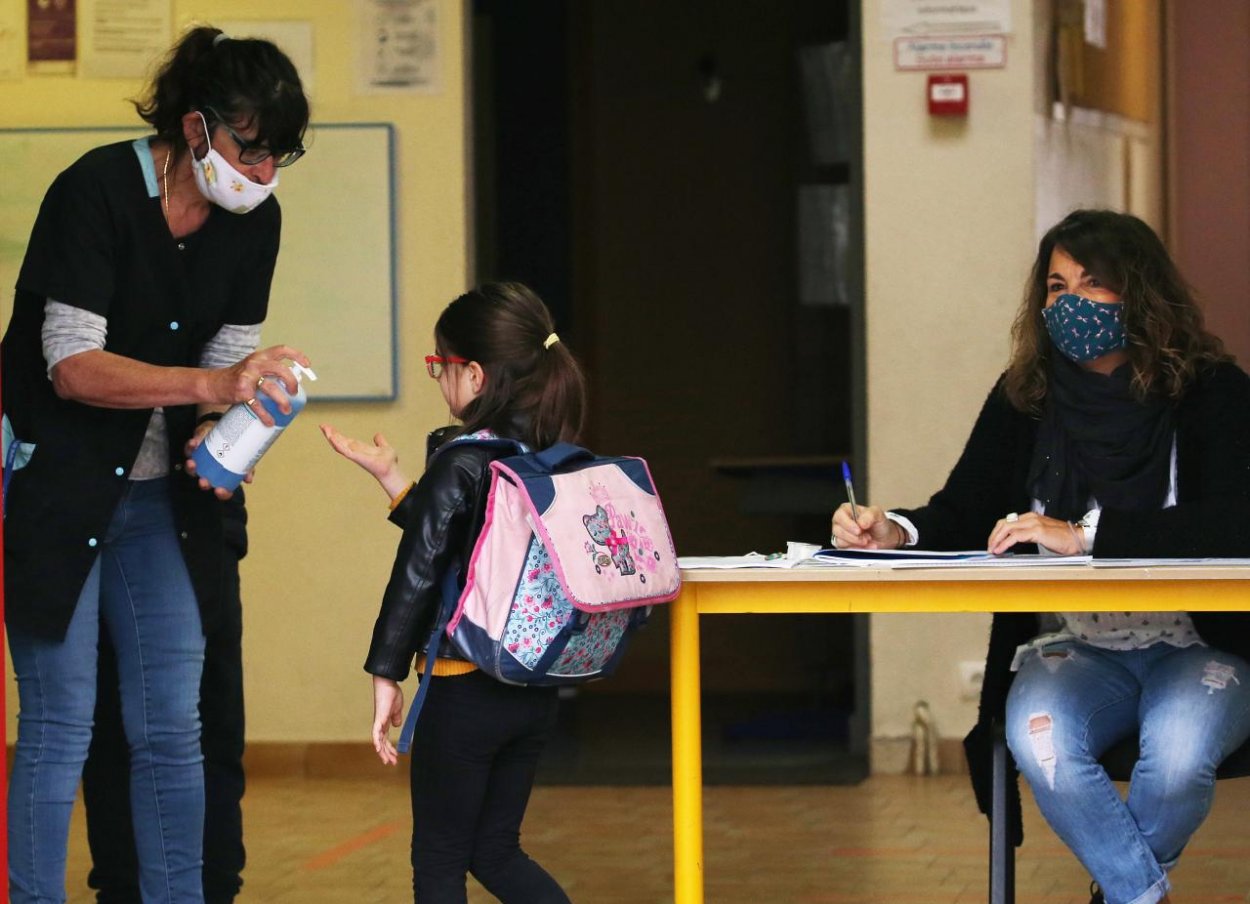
(541, 611)
(590, 651)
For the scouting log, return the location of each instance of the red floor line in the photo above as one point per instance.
(333, 855)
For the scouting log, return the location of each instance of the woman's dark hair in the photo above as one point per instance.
(534, 389)
(242, 80)
(1167, 344)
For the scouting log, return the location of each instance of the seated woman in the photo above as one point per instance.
(1120, 428)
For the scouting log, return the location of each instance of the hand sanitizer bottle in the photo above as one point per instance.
(234, 445)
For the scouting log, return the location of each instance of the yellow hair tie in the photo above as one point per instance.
(550, 341)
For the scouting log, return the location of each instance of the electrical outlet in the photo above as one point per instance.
(971, 674)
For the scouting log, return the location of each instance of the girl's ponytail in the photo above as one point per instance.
(561, 410)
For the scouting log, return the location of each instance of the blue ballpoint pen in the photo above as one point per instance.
(850, 491)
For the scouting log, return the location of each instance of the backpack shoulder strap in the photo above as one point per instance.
(483, 438)
(549, 461)
(447, 607)
(450, 592)
(554, 457)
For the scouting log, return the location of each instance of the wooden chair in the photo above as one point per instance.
(1118, 761)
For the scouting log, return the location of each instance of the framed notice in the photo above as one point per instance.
(950, 52)
(944, 17)
(51, 34)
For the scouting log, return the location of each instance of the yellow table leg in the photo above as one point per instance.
(687, 750)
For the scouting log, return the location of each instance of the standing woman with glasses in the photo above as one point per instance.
(136, 322)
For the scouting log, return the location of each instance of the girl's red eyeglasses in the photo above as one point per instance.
(434, 364)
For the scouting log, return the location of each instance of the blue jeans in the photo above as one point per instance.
(1072, 701)
(139, 590)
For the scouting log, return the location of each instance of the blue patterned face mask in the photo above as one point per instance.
(1083, 329)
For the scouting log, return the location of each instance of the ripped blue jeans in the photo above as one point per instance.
(1071, 701)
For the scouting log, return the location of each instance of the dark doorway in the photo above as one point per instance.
(680, 182)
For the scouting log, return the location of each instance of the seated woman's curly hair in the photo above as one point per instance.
(1167, 343)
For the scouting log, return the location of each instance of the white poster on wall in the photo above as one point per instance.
(400, 49)
(121, 38)
(908, 18)
(1096, 23)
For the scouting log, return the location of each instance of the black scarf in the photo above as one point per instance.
(1097, 439)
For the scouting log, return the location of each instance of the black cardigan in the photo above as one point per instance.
(100, 243)
(1211, 518)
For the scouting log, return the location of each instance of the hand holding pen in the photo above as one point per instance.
(857, 526)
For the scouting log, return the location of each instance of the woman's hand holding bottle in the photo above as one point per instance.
(244, 381)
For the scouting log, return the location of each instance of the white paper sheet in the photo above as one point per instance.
(1007, 561)
(750, 560)
(1164, 563)
(400, 47)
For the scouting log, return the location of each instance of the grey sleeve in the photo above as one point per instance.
(68, 330)
(232, 344)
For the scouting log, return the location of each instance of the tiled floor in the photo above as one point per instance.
(888, 840)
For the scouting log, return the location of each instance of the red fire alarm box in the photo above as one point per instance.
(948, 94)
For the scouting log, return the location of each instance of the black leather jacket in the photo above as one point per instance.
(441, 517)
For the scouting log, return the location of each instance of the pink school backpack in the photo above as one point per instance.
(573, 552)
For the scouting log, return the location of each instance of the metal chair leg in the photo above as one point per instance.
(1002, 852)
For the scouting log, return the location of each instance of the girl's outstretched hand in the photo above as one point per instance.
(388, 710)
(379, 458)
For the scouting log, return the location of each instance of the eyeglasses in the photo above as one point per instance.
(434, 364)
(251, 153)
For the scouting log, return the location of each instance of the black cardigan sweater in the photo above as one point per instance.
(1211, 518)
(100, 243)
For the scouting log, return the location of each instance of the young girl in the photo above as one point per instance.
(503, 372)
